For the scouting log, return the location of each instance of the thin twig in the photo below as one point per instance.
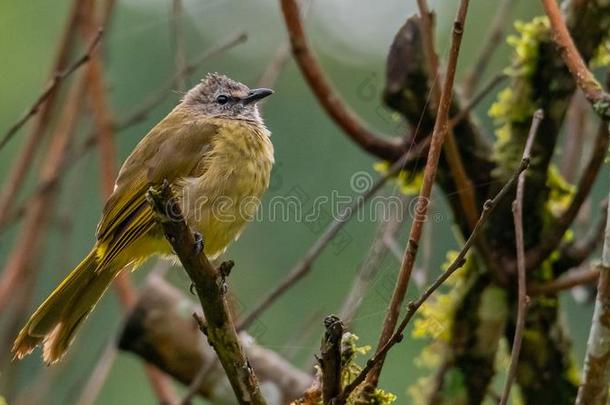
(304, 266)
(493, 38)
(51, 88)
(522, 298)
(413, 306)
(421, 209)
(344, 117)
(210, 286)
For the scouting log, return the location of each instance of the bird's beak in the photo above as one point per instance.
(255, 95)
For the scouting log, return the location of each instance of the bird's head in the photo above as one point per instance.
(219, 96)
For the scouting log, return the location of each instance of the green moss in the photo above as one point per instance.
(514, 104)
(351, 369)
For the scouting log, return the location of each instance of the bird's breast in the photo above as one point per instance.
(234, 175)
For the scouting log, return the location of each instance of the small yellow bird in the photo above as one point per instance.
(215, 152)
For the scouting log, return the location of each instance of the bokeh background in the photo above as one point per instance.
(351, 38)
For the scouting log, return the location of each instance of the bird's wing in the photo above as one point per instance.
(170, 151)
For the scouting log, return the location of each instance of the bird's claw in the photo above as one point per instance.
(198, 242)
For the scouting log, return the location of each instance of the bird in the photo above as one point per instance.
(215, 152)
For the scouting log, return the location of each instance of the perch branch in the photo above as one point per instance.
(344, 117)
(210, 286)
(522, 298)
(421, 209)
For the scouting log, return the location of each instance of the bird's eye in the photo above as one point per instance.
(222, 99)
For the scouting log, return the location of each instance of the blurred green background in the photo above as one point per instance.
(352, 39)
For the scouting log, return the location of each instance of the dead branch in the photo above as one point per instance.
(330, 359)
(344, 117)
(522, 298)
(210, 286)
(438, 136)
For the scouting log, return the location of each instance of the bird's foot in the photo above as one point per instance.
(199, 243)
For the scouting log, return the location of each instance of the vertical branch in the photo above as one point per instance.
(522, 298)
(463, 184)
(438, 136)
(330, 359)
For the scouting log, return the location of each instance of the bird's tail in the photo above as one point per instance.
(55, 322)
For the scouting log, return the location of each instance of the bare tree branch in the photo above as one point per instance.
(438, 136)
(330, 359)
